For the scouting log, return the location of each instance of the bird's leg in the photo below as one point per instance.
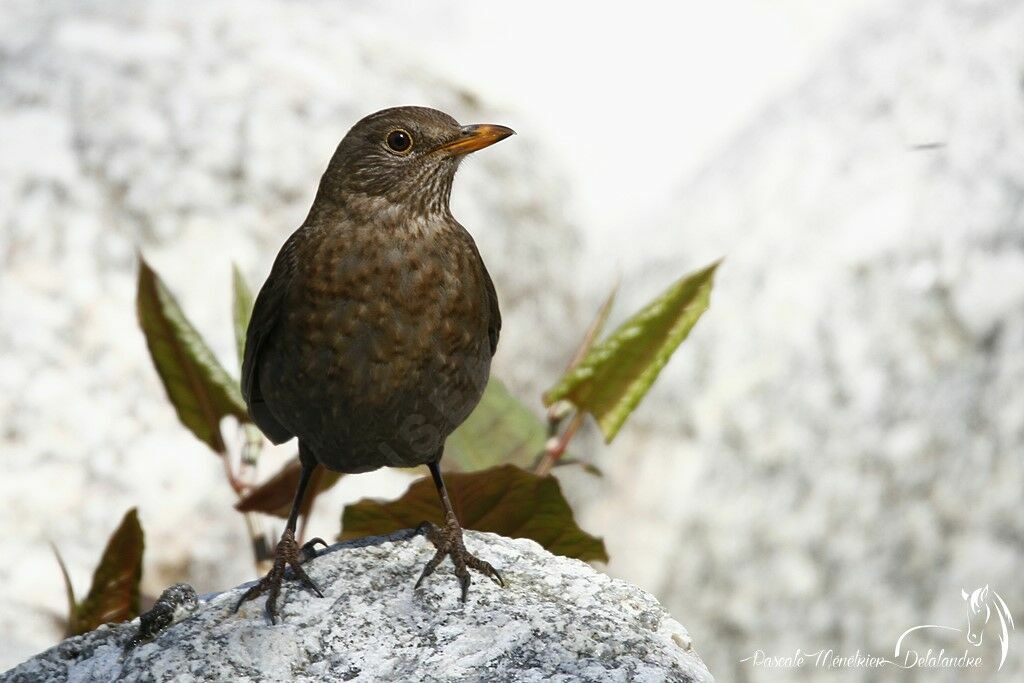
(448, 541)
(288, 554)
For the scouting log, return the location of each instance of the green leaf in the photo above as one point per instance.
(114, 594)
(613, 378)
(241, 312)
(201, 391)
(501, 429)
(274, 496)
(241, 309)
(504, 500)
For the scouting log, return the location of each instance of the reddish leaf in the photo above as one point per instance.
(69, 590)
(114, 594)
(274, 496)
(595, 329)
(504, 500)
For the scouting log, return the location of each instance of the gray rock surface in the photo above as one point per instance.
(557, 620)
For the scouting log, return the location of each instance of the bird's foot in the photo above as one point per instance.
(448, 541)
(288, 554)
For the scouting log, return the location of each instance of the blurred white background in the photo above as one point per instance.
(833, 454)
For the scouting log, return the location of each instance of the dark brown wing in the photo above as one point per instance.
(265, 315)
(494, 328)
(494, 319)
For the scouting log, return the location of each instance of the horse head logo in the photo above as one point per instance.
(982, 603)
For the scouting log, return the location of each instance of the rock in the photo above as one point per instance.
(557, 620)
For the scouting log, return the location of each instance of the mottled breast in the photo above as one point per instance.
(387, 336)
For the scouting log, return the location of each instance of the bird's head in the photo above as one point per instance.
(403, 157)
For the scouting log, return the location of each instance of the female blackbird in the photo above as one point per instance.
(371, 340)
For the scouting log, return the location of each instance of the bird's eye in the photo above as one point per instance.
(399, 141)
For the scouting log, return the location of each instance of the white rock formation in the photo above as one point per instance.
(557, 620)
(837, 449)
(198, 136)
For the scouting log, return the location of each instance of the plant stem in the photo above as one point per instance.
(237, 485)
(556, 446)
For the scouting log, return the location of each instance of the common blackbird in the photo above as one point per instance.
(371, 340)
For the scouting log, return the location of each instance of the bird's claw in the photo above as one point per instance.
(288, 554)
(449, 543)
(308, 550)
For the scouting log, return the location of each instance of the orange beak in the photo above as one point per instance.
(472, 138)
